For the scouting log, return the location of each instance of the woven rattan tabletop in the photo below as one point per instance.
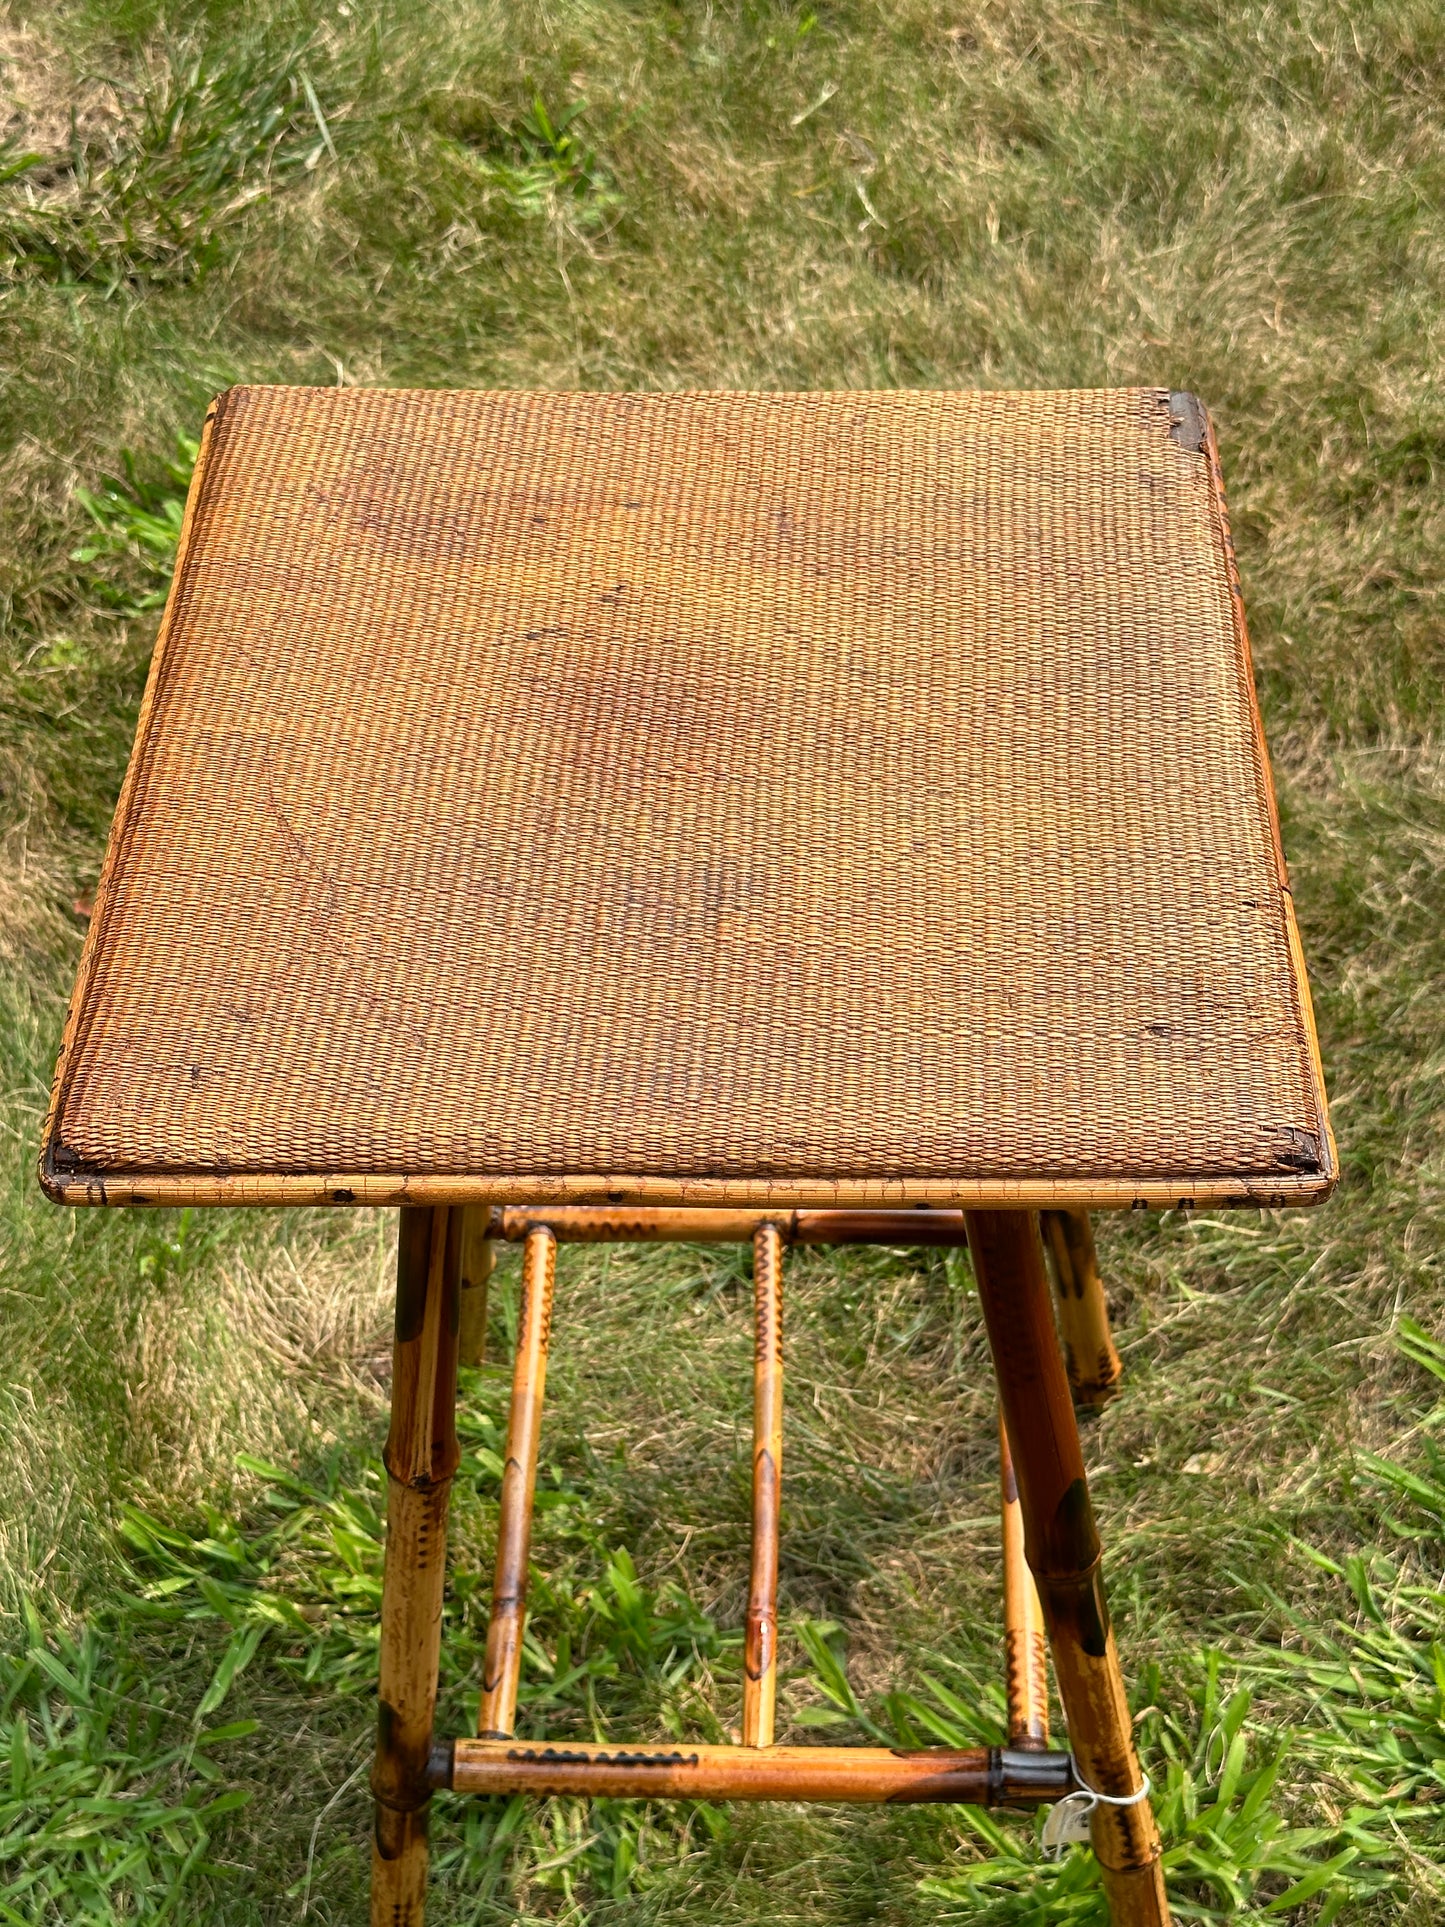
(713, 797)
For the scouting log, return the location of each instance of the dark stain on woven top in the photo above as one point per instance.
(413, 511)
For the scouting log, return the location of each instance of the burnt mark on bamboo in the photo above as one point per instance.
(1076, 1609)
(400, 1777)
(1010, 1483)
(565, 1756)
(1070, 1540)
(1094, 1366)
(529, 1287)
(413, 1263)
(761, 1650)
(386, 1728)
(1026, 1685)
(397, 1833)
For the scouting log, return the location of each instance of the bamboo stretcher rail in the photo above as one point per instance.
(503, 1665)
(982, 1776)
(1093, 1361)
(699, 1224)
(760, 1647)
(1026, 1645)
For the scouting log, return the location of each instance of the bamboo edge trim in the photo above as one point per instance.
(121, 822)
(1312, 1033)
(369, 1188)
(1264, 778)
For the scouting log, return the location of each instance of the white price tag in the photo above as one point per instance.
(1068, 1823)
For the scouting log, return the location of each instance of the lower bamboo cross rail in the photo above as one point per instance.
(991, 1776)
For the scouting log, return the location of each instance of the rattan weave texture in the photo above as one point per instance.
(753, 788)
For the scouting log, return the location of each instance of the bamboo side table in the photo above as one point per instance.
(564, 815)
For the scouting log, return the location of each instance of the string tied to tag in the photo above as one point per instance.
(1069, 1819)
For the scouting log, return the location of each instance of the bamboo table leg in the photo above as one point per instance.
(1026, 1646)
(502, 1667)
(760, 1651)
(1094, 1365)
(1064, 1553)
(421, 1457)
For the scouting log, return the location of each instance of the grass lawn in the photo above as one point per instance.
(1243, 200)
